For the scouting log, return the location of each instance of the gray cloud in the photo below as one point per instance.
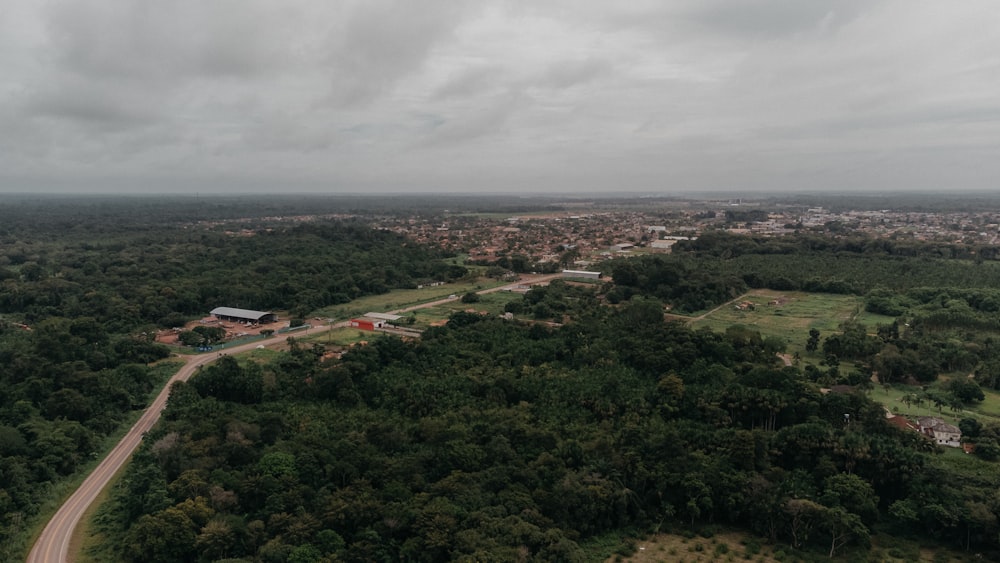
(560, 95)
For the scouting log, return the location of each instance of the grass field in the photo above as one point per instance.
(797, 312)
(399, 298)
(892, 398)
(340, 337)
(731, 546)
(492, 303)
(792, 316)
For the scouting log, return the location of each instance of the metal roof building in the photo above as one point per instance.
(581, 274)
(243, 315)
(383, 316)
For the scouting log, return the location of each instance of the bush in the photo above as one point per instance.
(627, 548)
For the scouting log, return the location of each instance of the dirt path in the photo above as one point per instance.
(707, 313)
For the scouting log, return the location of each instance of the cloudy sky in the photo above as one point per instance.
(571, 96)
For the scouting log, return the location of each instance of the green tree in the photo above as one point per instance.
(812, 343)
(966, 390)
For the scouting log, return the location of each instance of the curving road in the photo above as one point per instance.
(52, 545)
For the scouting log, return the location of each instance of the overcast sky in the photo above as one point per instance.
(573, 96)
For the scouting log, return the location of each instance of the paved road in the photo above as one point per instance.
(52, 545)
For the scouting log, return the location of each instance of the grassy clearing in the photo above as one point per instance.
(892, 398)
(340, 337)
(400, 298)
(672, 548)
(734, 546)
(990, 407)
(790, 314)
(258, 355)
(492, 303)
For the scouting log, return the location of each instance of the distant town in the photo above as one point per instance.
(571, 240)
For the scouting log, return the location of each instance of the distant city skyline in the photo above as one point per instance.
(551, 97)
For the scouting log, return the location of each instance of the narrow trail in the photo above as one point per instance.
(707, 313)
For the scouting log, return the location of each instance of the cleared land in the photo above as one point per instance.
(790, 314)
(401, 298)
(740, 546)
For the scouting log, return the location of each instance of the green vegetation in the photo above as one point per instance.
(402, 298)
(486, 437)
(571, 432)
(338, 337)
(788, 315)
(83, 287)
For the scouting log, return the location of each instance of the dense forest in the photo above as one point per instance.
(83, 290)
(490, 440)
(717, 267)
(486, 439)
(165, 276)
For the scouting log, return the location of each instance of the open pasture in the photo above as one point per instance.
(400, 298)
(790, 314)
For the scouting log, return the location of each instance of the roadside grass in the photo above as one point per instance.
(261, 355)
(338, 337)
(90, 543)
(60, 491)
(400, 298)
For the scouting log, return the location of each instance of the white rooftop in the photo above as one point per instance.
(241, 313)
